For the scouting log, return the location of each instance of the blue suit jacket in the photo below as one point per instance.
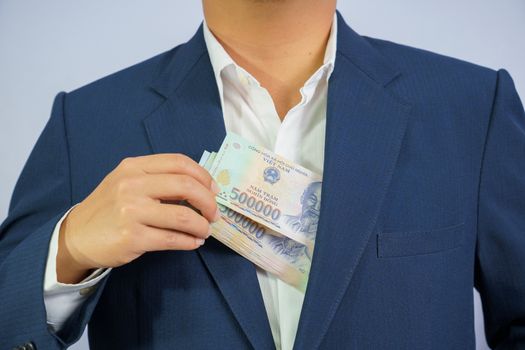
(423, 198)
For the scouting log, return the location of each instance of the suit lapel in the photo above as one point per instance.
(365, 127)
(189, 121)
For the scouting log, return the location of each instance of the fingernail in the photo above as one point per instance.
(209, 232)
(199, 241)
(217, 216)
(214, 187)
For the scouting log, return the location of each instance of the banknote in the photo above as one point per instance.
(268, 188)
(289, 260)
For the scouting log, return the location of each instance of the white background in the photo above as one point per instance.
(58, 45)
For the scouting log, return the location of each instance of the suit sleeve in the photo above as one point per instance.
(500, 251)
(41, 197)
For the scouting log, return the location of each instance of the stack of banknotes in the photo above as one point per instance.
(269, 208)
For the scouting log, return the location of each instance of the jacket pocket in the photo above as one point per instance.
(410, 243)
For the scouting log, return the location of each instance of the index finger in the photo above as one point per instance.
(176, 163)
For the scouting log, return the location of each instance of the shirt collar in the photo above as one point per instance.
(220, 59)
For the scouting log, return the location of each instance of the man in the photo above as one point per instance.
(423, 196)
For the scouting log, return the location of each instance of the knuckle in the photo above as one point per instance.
(127, 184)
(186, 184)
(180, 159)
(184, 216)
(185, 243)
(127, 211)
(127, 235)
(127, 163)
(123, 186)
(171, 240)
(176, 241)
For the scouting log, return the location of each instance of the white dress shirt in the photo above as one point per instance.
(249, 111)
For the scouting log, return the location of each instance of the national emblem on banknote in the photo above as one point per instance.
(271, 175)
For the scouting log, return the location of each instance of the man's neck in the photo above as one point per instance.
(280, 42)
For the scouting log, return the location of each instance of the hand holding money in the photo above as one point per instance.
(269, 208)
(128, 214)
